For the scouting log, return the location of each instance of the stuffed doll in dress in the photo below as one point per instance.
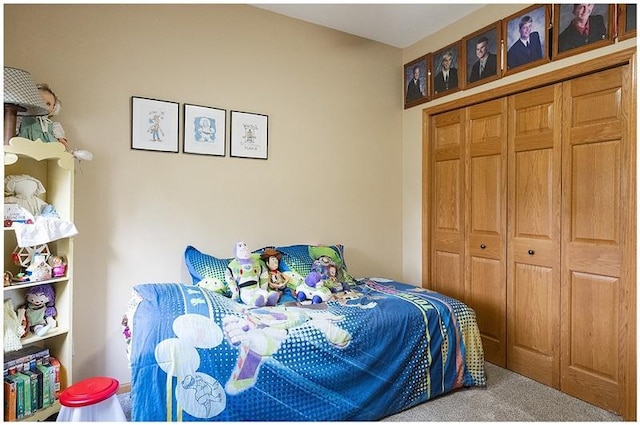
(39, 309)
(278, 281)
(23, 190)
(247, 279)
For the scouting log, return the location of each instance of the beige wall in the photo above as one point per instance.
(334, 168)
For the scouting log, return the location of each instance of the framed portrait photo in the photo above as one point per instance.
(569, 22)
(445, 64)
(525, 35)
(154, 124)
(249, 135)
(483, 55)
(205, 130)
(416, 80)
(627, 21)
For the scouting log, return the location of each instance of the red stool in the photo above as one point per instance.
(91, 400)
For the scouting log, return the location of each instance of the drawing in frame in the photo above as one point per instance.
(205, 130)
(568, 19)
(483, 55)
(445, 65)
(416, 81)
(154, 124)
(249, 135)
(526, 38)
(627, 21)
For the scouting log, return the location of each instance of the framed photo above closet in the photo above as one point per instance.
(627, 21)
(482, 54)
(416, 81)
(445, 66)
(578, 28)
(526, 42)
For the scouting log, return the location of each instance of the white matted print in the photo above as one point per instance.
(249, 135)
(154, 125)
(205, 130)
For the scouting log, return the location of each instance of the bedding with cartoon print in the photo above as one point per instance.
(367, 353)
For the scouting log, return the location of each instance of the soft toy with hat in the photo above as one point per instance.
(24, 190)
(247, 279)
(328, 264)
(278, 281)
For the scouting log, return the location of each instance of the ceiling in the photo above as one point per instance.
(398, 25)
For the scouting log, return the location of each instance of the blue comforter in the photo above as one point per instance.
(381, 348)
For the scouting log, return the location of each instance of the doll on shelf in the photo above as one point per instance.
(58, 266)
(44, 128)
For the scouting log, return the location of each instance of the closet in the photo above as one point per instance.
(530, 207)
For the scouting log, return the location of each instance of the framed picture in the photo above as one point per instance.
(526, 38)
(569, 22)
(626, 21)
(416, 80)
(445, 64)
(483, 55)
(205, 130)
(154, 125)
(249, 135)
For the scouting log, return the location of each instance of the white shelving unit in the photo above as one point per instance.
(54, 167)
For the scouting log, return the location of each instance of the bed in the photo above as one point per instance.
(369, 352)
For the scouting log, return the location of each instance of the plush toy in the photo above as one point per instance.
(313, 289)
(328, 264)
(58, 266)
(23, 190)
(214, 285)
(39, 309)
(278, 281)
(247, 279)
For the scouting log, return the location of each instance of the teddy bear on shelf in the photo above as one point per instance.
(39, 309)
(278, 281)
(247, 279)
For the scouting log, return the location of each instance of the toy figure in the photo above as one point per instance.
(313, 289)
(39, 309)
(23, 190)
(247, 279)
(278, 281)
(58, 266)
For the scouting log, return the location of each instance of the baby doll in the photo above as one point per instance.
(24, 190)
(247, 279)
(43, 128)
(58, 266)
(278, 281)
(39, 309)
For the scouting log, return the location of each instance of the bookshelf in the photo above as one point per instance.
(54, 167)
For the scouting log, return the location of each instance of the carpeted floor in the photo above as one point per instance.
(508, 397)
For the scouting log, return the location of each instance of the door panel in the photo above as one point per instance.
(485, 221)
(447, 205)
(597, 223)
(533, 248)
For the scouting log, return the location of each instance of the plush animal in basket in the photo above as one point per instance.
(39, 309)
(247, 278)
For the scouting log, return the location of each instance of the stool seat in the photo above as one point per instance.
(93, 399)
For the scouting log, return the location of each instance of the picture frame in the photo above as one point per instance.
(526, 41)
(205, 130)
(567, 41)
(486, 41)
(249, 135)
(416, 93)
(154, 124)
(446, 81)
(627, 16)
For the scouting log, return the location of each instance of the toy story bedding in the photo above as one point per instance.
(369, 352)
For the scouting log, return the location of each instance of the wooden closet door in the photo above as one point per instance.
(598, 239)
(485, 223)
(533, 244)
(447, 206)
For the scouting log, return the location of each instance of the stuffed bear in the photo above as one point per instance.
(39, 309)
(247, 279)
